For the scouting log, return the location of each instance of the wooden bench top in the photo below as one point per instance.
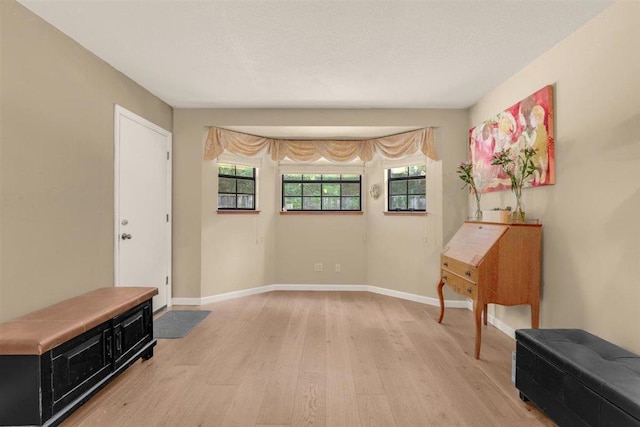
(42, 330)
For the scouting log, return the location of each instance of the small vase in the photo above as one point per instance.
(478, 214)
(518, 214)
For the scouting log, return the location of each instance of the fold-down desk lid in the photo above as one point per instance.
(473, 241)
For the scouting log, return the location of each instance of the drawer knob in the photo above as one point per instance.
(444, 278)
(446, 264)
(467, 273)
(469, 290)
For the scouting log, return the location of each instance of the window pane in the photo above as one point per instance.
(332, 177)
(350, 189)
(398, 187)
(226, 201)
(418, 170)
(313, 177)
(311, 203)
(226, 185)
(417, 186)
(245, 201)
(397, 202)
(293, 189)
(292, 177)
(293, 203)
(331, 203)
(398, 172)
(351, 177)
(224, 169)
(417, 203)
(351, 203)
(330, 189)
(311, 189)
(245, 186)
(244, 171)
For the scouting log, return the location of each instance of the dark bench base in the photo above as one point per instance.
(578, 379)
(45, 389)
(146, 353)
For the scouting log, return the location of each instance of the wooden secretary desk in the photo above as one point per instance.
(493, 263)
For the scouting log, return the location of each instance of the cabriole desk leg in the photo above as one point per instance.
(535, 314)
(441, 298)
(477, 312)
(485, 314)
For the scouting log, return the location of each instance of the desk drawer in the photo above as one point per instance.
(459, 284)
(460, 268)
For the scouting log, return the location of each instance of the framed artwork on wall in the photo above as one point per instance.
(526, 124)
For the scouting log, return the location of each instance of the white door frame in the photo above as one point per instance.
(120, 111)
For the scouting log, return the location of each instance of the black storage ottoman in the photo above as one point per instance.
(578, 379)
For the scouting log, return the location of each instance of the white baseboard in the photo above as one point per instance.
(503, 327)
(223, 297)
(467, 303)
(321, 288)
(416, 298)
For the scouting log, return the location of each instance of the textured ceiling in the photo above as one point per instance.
(332, 54)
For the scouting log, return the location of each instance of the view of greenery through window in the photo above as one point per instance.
(407, 188)
(321, 192)
(236, 187)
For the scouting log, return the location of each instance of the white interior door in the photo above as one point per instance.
(142, 205)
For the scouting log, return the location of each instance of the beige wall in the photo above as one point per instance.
(304, 240)
(591, 249)
(212, 253)
(238, 250)
(296, 243)
(404, 251)
(57, 162)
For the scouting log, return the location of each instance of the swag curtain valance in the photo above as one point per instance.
(389, 147)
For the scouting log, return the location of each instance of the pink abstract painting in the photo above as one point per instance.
(529, 123)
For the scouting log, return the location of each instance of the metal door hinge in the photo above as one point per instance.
(167, 155)
(167, 217)
(167, 281)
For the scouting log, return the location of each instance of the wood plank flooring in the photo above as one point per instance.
(319, 359)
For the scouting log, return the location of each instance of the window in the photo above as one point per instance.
(321, 192)
(236, 187)
(407, 188)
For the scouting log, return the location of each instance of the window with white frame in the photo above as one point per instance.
(406, 188)
(236, 187)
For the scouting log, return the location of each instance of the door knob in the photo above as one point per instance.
(126, 236)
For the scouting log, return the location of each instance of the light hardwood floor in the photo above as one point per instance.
(319, 359)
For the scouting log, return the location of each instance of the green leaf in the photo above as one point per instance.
(292, 189)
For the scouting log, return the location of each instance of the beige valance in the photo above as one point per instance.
(390, 147)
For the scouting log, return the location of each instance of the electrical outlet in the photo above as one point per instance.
(337, 268)
(317, 266)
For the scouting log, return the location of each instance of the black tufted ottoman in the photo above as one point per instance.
(578, 379)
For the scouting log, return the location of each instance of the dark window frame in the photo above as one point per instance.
(407, 178)
(236, 193)
(321, 181)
